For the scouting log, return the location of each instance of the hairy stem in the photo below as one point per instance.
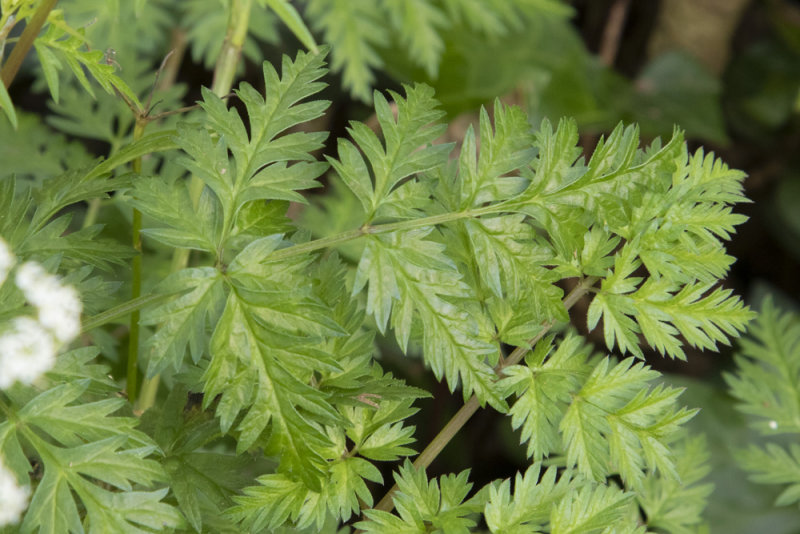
(471, 406)
(349, 235)
(11, 67)
(136, 280)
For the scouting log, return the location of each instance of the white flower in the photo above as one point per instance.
(36, 283)
(6, 260)
(27, 350)
(13, 498)
(59, 306)
(62, 314)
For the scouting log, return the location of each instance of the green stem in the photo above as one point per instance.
(225, 69)
(20, 50)
(91, 212)
(349, 235)
(136, 279)
(317, 244)
(471, 406)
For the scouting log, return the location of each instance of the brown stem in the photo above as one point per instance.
(20, 50)
(471, 406)
(613, 31)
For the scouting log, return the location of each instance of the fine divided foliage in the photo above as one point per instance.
(89, 464)
(767, 386)
(360, 30)
(262, 342)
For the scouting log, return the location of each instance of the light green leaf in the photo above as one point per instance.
(169, 203)
(528, 509)
(493, 173)
(410, 277)
(406, 149)
(260, 168)
(251, 375)
(590, 509)
(605, 419)
(65, 44)
(183, 319)
(424, 504)
(677, 505)
(288, 14)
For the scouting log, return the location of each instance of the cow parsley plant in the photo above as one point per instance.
(179, 351)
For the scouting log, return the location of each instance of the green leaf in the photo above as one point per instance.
(154, 142)
(279, 499)
(276, 500)
(511, 260)
(78, 248)
(677, 505)
(424, 504)
(765, 383)
(774, 464)
(346, 486)
(349, 26)
(419, 24)
(183, 319)
(202, 477)
(661, 309)
(490, 17)
(528, 509)
(606, 419)
(544, 387)
(615, 420)
(493, 173)
(249, 371)
(288, 14)
(406, 149)
(170, 203)
(260, 167)
(410, 277)
(590, 509)
(60, 43)
(87, 457)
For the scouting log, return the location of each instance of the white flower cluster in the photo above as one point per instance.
(59, 306)
(28, 346)
(13, 498)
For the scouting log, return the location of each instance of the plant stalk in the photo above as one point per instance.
(463, 415)
(136, 279)
(228, 60)
(20, 50)
(349, 235)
